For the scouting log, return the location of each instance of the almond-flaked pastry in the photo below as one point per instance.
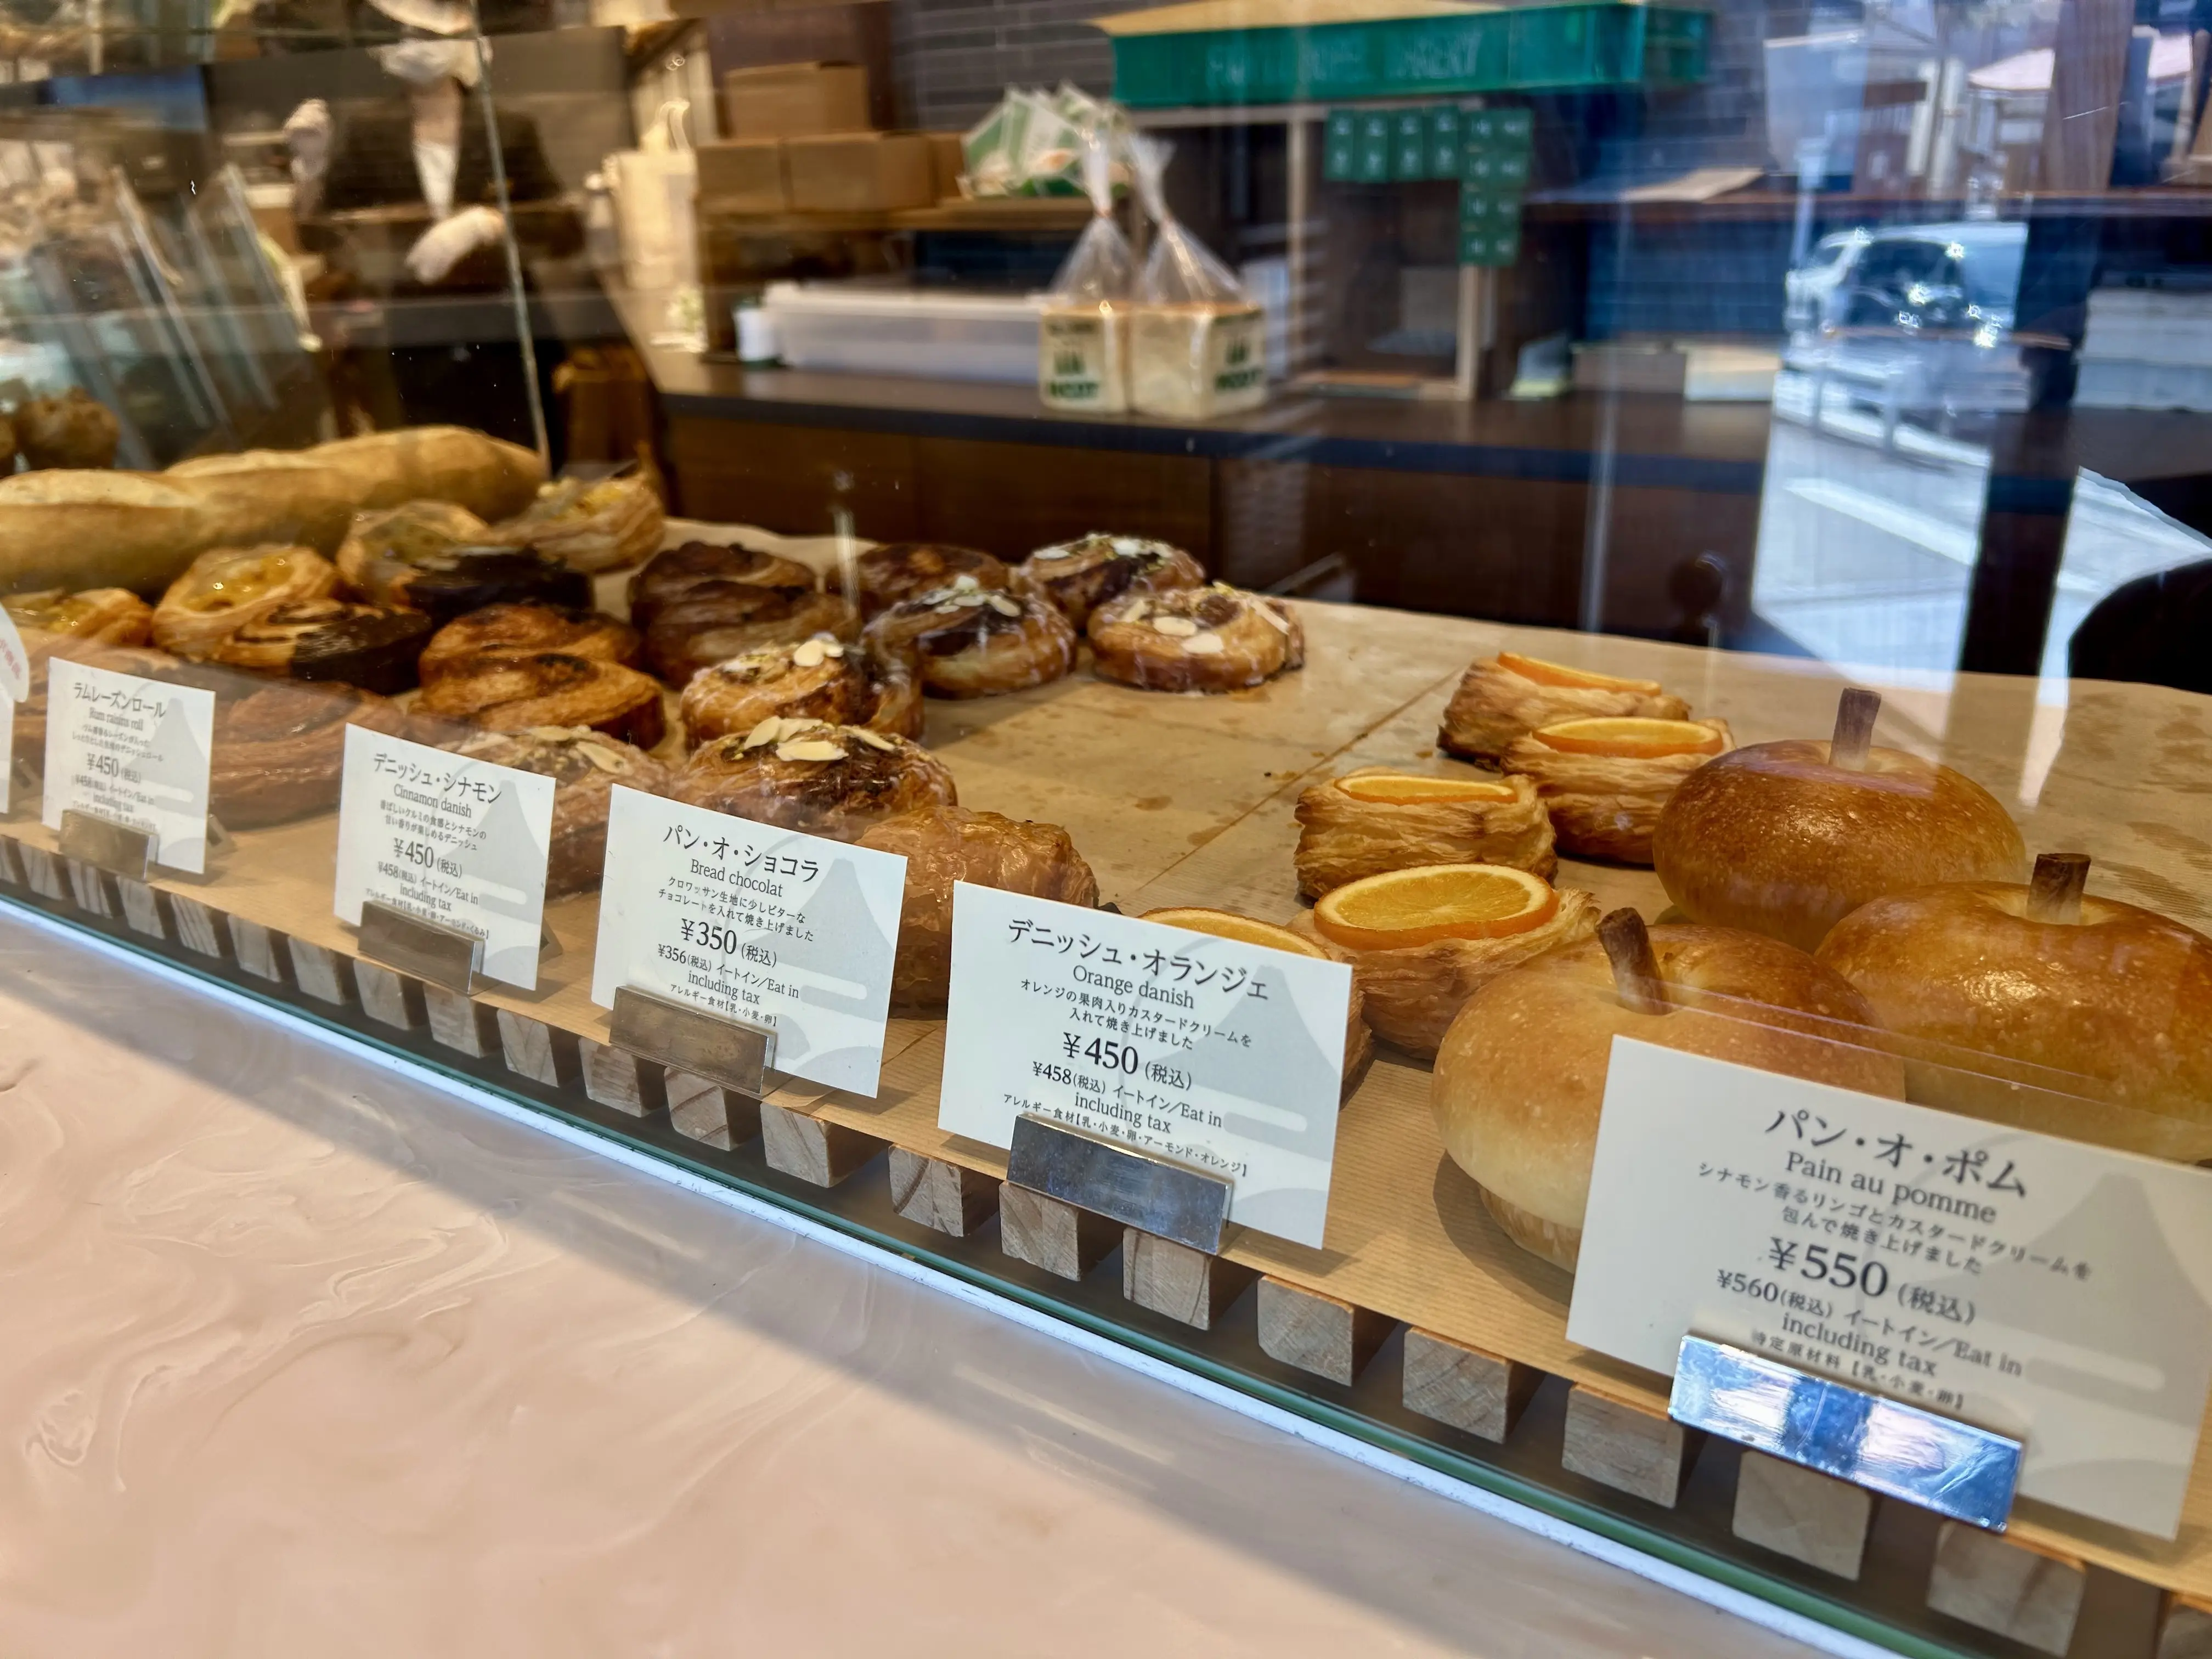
(898, 571)
(824, 779)
(821, 679)
(1216, 638)
(1606, 807)
(584, 766)
(1080, 575)
(969, 641)
(1495, 703)
(1342, 838)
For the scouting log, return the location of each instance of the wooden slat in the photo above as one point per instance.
(260, 950)
(89, 888)
(1802, 1514)
(388, 997)
(42, 870)
(144, 911)
(320, 972)
(538, 1051)
(1628, 1446)
(618, 1079)
(1465, 1387)
(813, 1149)
(1164, 1277)
(11, 867)
(707, 1112)
(1046, 1233)
(941, 1195)
(458, 1024)
(1324, 1334)
(1998, 1584)
(2186, 1632)
(201, 930)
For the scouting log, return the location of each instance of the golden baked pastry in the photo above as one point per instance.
(900, 570)
(584, 766)
(1195, 639)
(525, 627)
(700, 606)
(833, 780)
(1377, 819)
(424, 558)
(592, 526)
(104, 616)
(512, 691)
(1358, 1041)
(72, 430)
(818, 679)
(326, 638)
(279, 751)
(945, 844)
(1781, 839)
(226, 588)
(2043, 1007)
(382, 549)
(669, 576)
(969, 641)
(1521, 1077)
(1080, 575)
(1509, 696)
(1604, 780)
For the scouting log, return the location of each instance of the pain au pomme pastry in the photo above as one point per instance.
(1604, 779)
(280, 749)
(100, 615)
(512, 691)
(898, 571)
(969, 641)
(527, 628)
(1079, 576)
(584, 766)
(1509, 696)
(1421, 940)
(834, 781)
(438, 558)
(700, 604)
(1358, 1041)
(330, 639)
(1789, 838)
(821, 679)
(944, 844)
(226, 588)
(1378, 820)
(1521, 1078)
(1216, 638)
(2041, 1006)
(606, 525)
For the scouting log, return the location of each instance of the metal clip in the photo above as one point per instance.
(105, 844)
(433, 952)
(730, 1052)
(1128, 1184)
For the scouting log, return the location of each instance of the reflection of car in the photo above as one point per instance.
(1806, 289)
(1929, 279)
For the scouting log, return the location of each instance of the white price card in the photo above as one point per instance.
(1222, 1054)
(759, 924)
(2056, 1292)
(133, 752)
(7, 753)
(450, 839)
(14, 662)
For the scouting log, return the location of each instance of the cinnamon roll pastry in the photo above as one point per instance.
(1604, 781)
(515, 691)
(818, 679)
(527, 628)
(669, 576)
(584, 766)
(1509, 696)
(969, 641)
(605, 526)
(279, 751)
(942, 845)
(1379, 819)
(29, 725)
(100, 616)
(361, 645)
(226, 588)
(434, 558)
(1079, 576)
(1216, 638)
(834, 781)
(900, 570)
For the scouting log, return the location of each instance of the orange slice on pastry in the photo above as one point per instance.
(1433, 901)
(1412, 789)
(1631, 737)
(1227, 924)
(1581, 679)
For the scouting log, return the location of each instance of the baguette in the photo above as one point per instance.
(80, 530)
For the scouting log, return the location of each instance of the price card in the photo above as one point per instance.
(15, 661)
(2053, 1291)
(758, 924)
(450, 839)
(1225, 1055)
(132, 750)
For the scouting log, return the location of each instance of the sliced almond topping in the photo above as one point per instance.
(1204, 645)
(767, 731)
(808, 654)
(1280, 623)
(831, 648)
(1178, 628)
(607, 760)
(1055, 553)
(873, 739)
(1005, 606)
(810, 749)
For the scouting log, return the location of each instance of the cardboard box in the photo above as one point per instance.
(947, 162)
(795, 101)
(858, 171)
(743, 175)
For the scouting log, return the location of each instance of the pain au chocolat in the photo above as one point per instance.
(821, 679)
(834, 781)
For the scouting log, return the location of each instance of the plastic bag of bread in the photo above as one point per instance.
(1083, 352)
(1197, 343)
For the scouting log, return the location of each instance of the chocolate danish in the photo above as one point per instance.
(975, 641)
(435, 557)
(1079, 576)
(819, 679)
(279, 751)
(226, 588)
(584, 766)
(101, 616)
(512, 691)
(605, 525)
(1217, 638)
(693, 617)
(826, 779)
(670, 575)
(361, 645)
(900, 570)
(527, 628)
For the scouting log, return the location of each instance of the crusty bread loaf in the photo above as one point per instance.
(79, 530)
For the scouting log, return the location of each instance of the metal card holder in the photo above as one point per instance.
(1885, 1445)
(449, 957)
(730, 1052)
(1127, 1184)
(107, 844)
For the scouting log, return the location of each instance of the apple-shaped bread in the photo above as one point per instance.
(1358, 1041)
(1604, 781)
(1378, 820)
(1789, 838)
(1509, 696)
(1520, 1080)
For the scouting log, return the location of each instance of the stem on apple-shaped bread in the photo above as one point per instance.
(1635, 969)
(2054, 892)
(1854, 715)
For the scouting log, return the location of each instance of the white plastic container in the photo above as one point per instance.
(870, 329)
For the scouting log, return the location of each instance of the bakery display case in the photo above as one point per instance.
(1637, 954)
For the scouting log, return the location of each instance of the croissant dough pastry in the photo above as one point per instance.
(512, 691)
(584, 766)
(1606, 807)
(1079, 576)
(361, 645)
(411, 558)
(591, 526)
(669, 576)
(226, 588)
(280, 750)
(974, 641)
(834, 781)
(1410, 994)
(1343, 837)
(901, 570)
(1497, 701)
(571, 631)
(381, 548)
(101, 616)
(700, 606)
(818, 679)
(945, 844)
(1217, 638)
